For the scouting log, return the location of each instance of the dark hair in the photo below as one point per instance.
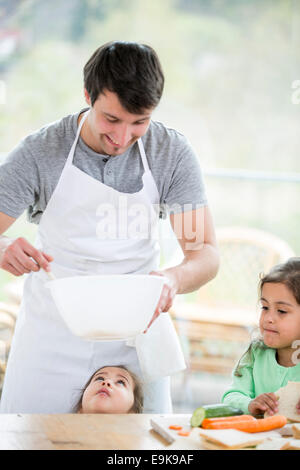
(131, 70)
(246, 359)
(138, 403)
(287, 273)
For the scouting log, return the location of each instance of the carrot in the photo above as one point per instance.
(208, 422)
(175, 427)
(183, 433)
(265, 424)
(258, 425)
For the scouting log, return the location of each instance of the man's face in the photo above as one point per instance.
(111, 130)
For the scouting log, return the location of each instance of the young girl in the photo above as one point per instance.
(273, 359)
(112, 389)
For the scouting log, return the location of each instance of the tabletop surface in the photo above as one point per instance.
(80, 432)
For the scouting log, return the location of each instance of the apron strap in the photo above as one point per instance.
(72, 151)
(143, 155)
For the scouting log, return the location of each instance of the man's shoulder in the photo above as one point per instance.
(161, 132)
(162, 140)
(52, 134)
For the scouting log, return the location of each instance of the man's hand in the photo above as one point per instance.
(266, 402)
(167, 296)
(19, 257)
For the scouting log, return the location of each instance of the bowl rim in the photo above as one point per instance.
(50, 282)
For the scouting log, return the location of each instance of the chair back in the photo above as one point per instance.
(245, 254)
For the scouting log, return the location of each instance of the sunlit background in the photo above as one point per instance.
(232, 73)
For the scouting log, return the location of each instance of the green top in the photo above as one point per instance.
(261, 373)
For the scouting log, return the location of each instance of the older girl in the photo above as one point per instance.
(273, 359)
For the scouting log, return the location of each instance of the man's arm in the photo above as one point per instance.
(18, 256)
(5, 222)
(196, 235)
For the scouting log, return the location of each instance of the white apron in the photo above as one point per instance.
(48, 366)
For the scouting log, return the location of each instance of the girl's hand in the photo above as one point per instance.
(266, 402)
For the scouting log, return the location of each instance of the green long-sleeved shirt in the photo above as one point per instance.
(261, 373)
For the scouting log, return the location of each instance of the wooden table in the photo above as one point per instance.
(79, 432)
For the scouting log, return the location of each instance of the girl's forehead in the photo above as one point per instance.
(113, 371)
(277, 292)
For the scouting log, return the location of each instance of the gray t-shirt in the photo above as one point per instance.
(31, 171)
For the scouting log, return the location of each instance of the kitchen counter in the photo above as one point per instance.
(80, 432)
(97, 432)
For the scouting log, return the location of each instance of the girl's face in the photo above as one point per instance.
(111, 390)
(280, 316)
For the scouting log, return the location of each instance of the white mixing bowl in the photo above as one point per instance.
(107, 306)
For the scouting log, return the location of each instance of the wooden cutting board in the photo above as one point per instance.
(174, 441)
(192, 442)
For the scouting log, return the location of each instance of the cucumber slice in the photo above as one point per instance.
(213, 411)
(197, 417)
(220, 410)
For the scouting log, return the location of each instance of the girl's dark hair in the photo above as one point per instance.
(287, 273)
(246, 359)
(131, 70)
(138, 403)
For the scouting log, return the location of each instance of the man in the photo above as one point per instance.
(67, 175)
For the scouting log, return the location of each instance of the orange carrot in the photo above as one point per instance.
(183, 433)
(208, 422)
(257, 425)
(175, 427)
(265, 424)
